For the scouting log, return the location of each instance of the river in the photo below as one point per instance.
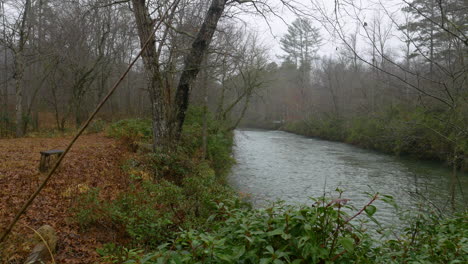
(276, 165)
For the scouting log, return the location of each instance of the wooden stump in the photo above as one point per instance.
(46, 241)
(46, 156)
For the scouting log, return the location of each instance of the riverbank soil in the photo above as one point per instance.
(94, 162)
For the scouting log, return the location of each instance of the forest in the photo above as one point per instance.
(121, 128)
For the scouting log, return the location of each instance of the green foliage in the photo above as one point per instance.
(151, 212)
(145, 213)
(171, 188)
(89, 210)
(308, 234)
(428, 239)
(427, 134)
(219, 151)
(330, 126)
(119, 254)
(174, 164)
(131, 130)
(279, 234)
(219, 140)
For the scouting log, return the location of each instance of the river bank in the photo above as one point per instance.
(401, 133)
(324, 230)
(316, 233)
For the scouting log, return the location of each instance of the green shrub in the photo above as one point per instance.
(219, 140)
(173, 164)
(279, 234)
(219, 151)
(319, 233)
(131, 131)
(428, 238)
(150, 212)
(146, 213)
(89, 209)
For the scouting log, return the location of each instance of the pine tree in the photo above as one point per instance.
(438, 29)
(301, 42)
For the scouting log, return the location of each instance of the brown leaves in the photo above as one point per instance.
(93, 162)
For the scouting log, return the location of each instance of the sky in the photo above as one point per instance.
(275, 28)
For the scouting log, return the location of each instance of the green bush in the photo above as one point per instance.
(131, 131)
(174, 164)
(319, 233)
(219, 140)
(89, 209)
(428, 238)
(146, 213)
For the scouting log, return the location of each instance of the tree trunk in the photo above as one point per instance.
(205, 110)
(244, 110)
(193, 62)
(19, 95)
(19, 70)
(159, 104)
(5, 110)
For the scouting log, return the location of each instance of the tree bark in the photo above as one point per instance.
(159, 105)
(193, 62)
(205, 110)
(19, 70)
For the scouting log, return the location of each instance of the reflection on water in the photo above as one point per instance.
(275, 165)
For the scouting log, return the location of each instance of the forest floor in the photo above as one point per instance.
(94, 162)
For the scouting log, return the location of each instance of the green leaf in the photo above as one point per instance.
(370, 210)
(224, 257)
(239, 251)
(347, 243)
(275, 232)
(270, 249)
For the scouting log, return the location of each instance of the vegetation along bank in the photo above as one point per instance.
(178, 209)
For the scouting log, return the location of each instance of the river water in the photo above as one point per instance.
(276, 165)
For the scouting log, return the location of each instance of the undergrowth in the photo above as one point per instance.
(171, 188)
(329, 231)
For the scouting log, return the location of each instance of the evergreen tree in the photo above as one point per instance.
(439, 29)
(301, 42)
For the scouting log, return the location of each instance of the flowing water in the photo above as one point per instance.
(276, 165)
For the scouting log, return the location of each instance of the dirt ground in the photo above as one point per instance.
(94, 161)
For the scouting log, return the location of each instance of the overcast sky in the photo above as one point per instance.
(275, 28)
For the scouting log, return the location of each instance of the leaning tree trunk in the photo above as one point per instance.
(193, 62)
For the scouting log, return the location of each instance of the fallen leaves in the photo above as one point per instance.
(94, 162)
